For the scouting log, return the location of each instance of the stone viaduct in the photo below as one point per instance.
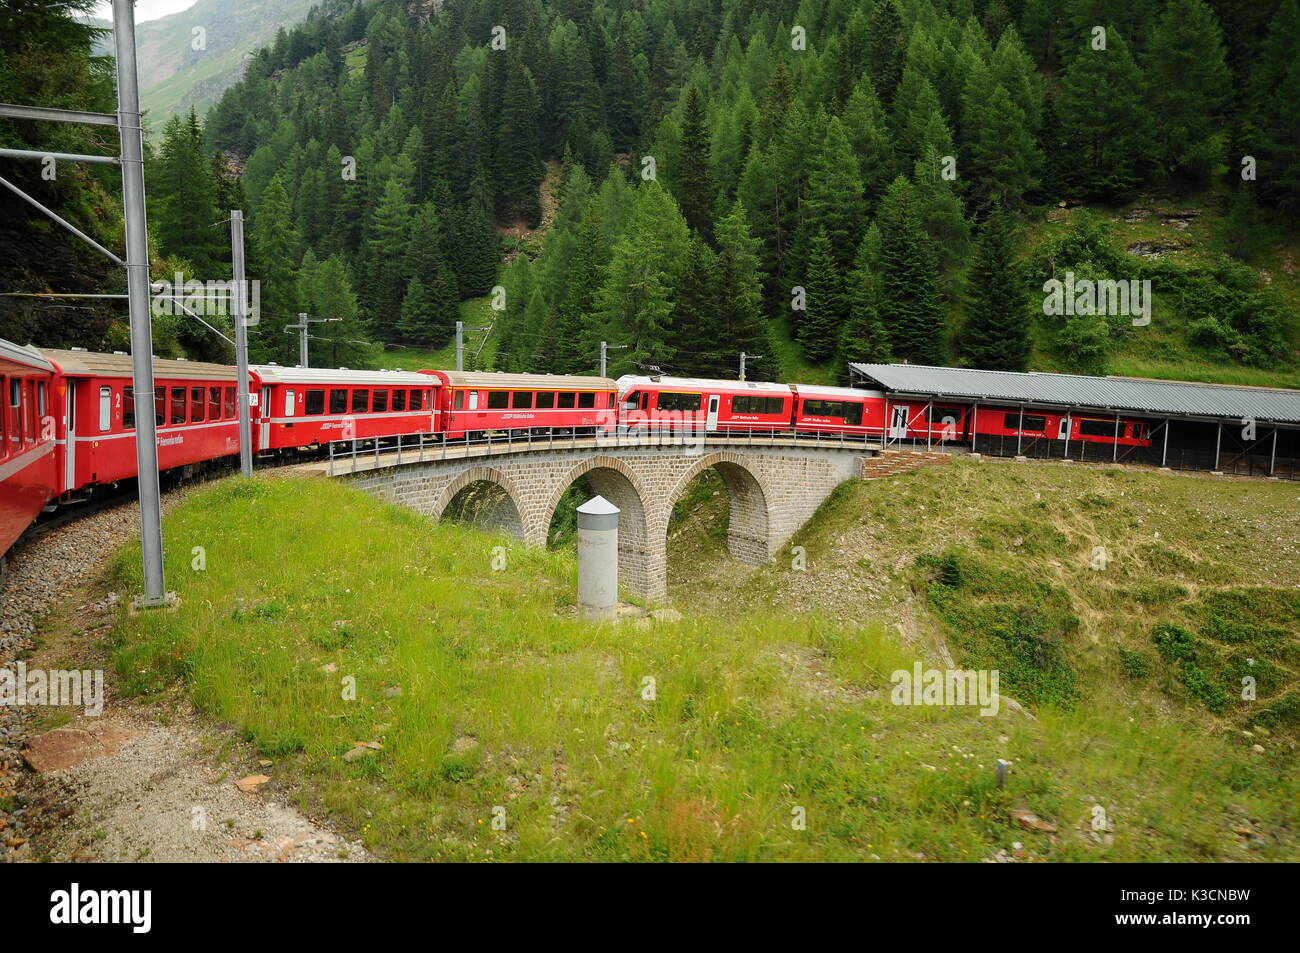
(774, 485)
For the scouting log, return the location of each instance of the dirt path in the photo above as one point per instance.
(145, 781)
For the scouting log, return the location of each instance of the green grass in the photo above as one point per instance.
(486, 691)
(476, 313)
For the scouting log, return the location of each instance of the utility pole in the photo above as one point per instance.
(605, 346)
(301, 327)
(241, 340)
(130, 136)
(131, 161)
(743, 357)
(460, 343)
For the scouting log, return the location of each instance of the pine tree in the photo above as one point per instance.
(864, 339)
(834, 203)
(820, 324)
(1004, 162)
(636, 300)
(1189, 83)
(276, 249)
(576, 311)
(328, 294)
(739, 282)
(909, 294)
(869, 136)
(696, 331)
(186, 209)
(886, 49)
(518, 166)
(995, 335)
(384, 269)
(692, 177)
(1106, 128)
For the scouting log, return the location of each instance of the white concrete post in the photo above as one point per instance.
(597, 558)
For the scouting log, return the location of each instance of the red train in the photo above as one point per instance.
(68, 423)
(28, 472)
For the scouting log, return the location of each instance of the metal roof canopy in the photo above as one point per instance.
(1213, 402)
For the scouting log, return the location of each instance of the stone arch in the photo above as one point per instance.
(505, 512)
(749, 537)
(617, 482)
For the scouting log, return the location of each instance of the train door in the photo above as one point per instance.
(264, 419)
(1063, 429)
(711, 424)
(898, 421)
(69, 437)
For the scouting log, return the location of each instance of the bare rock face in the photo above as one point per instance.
(65, 747)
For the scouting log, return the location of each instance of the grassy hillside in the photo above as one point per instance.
(479, 695)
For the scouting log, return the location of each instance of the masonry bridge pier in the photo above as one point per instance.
(774, 485)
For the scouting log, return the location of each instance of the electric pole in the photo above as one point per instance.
(241, 340)
(743, 357)
(301, 327)
(605, 346)
(460, 343)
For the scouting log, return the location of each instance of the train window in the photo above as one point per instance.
(545, 399)
(381, 402)
(214, 403)
(823, 408)
(852, 413)
(159, 405)
(40, 400)
(228, 403)
(742, 404)
(936, 415)
(105, 409)
(399, 400)
(460, 400)
(564, 400)
(1097, 428)
(417, 400)
(587, 399)
(290, 399)
(178, 406)
(774, 405)
(498, 399)
(315, 402)
(197, 404)
(128, 408)
(338, 401)
(679, 401)
(1030, 422)
(4, 419)
(360, 401)
(521, 398)
(15, 392)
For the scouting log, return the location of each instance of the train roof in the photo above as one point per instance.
(1079, 391)
(817, 390)
(27, 356)
(488, 379)
(95, 364)
(628, 381)
(277, 374)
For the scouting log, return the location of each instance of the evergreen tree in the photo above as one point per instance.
(518, 165)
(276, 249)
(820, 324)
(864, 339)
(1189, 83)
(909, 294)
(834, 203)
(1106, 128)
(692, 177)
(739, 284)
(995, 335)
(885, 49)
(185, 210)
(384, 268)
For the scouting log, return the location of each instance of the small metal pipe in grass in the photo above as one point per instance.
(597, 558)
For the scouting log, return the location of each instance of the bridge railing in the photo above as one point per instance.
(345, 456)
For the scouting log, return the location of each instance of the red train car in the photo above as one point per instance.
(194, 411)
(1057, 425)
(689, 403)
(474, 404)
(301, 407)
(922, 420)
(841, 410)
(28, 440)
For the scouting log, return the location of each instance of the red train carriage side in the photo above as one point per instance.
(194, 412)
(474, 403)
(313, 406)
(1056, 425)
(922, 420)
(28, 440)
(841, 410)
(676, 403)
